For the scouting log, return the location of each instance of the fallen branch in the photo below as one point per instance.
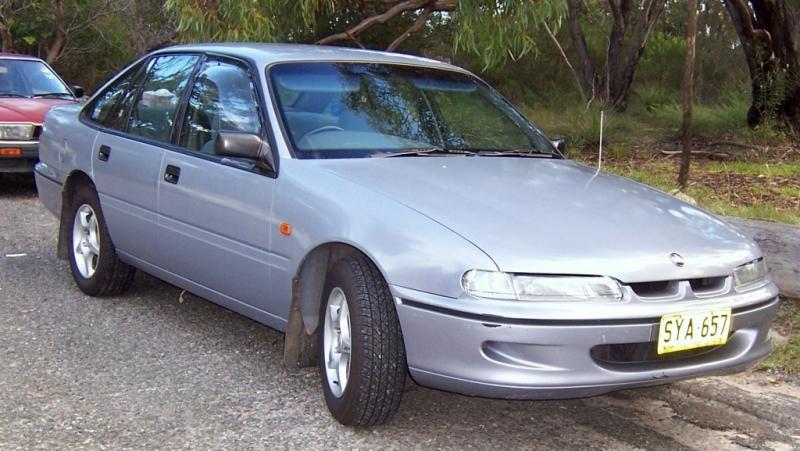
(671, 153)
(736, 144)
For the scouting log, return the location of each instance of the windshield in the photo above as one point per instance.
(28, 78)
(356, 110)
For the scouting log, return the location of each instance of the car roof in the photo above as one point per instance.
(17, 56)
(265, 54)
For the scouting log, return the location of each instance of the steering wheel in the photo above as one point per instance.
(324, 128)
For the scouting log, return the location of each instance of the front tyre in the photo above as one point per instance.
(92, 258)
(362, 357)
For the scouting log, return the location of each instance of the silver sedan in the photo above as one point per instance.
(394, 215)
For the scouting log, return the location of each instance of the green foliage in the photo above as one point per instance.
(581, 127)
(251, 20)
(495, 31)
(492, 31)
(655, 96)
(773, 86)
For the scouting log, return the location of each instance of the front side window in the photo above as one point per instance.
(223, 98)
(154, 111)
(110, 108)
(30, 78)
(355, 110)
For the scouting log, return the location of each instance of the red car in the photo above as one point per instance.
(28, 88)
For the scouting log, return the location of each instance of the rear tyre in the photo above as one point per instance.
(92, 258)
(362, 357)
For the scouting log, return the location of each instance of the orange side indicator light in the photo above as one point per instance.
(286, 229)
(12, 152)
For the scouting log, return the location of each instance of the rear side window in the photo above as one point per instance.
(223, 98)
(111, 107)
(155, 108)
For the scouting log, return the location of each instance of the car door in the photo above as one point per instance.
(214, 212)
(128, 151)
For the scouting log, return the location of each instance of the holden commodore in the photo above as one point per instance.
(394, 215)
(28, 88)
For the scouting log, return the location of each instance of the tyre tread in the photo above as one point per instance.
(384, 350)
(114, 276)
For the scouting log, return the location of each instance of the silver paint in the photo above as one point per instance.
(424, 221)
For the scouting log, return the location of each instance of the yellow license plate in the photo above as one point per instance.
(690, 330)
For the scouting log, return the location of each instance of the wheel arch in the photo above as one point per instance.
(75, 179)
(307, 286)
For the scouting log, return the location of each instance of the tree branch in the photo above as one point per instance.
(566, 60)
(391, 13)
(418, 24)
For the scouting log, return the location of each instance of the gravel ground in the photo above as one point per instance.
(154, 370)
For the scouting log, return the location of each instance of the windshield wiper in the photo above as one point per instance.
(516, 153)
(53, 94)
(11, 94)
(426, 151)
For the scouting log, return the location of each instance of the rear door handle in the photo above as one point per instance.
(104, 153)
(172, 174)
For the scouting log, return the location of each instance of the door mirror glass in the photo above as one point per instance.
(77, 91)
(560, 143)
(244, 145)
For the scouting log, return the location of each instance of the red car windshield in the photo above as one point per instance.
(30, 78)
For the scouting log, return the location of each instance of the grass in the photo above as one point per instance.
(754, 197)
(786, 356)
(652, 118)
(743, 167)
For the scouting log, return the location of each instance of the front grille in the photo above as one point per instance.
(37, 131)
(670, 289)
(707, 285)
(646, 352)
(658, 289)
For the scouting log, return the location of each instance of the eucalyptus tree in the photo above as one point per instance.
(632, 23)
(492, 30)
(769, 33)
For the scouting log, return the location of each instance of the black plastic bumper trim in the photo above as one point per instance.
(492, 320)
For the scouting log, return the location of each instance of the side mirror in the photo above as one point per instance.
(245, 145)
(77, 91)
(560, 143)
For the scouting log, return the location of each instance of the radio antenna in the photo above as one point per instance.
(600, 156)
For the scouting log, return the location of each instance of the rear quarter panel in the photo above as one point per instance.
(65, 144)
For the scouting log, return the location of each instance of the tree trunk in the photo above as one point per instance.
(579, 42)
(5, 32)
(769, 32)
(633, 23)
(688, 91)
(7, 38)
(59, 33)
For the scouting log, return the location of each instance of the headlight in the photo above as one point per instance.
(500, 285)
(16, 132)
(750, 273)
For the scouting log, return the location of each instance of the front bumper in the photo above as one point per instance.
(22, 163)
(545, 359)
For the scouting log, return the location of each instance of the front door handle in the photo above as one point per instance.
(104, 153)
(172, 174)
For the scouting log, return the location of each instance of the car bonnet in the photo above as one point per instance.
(536, 215)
